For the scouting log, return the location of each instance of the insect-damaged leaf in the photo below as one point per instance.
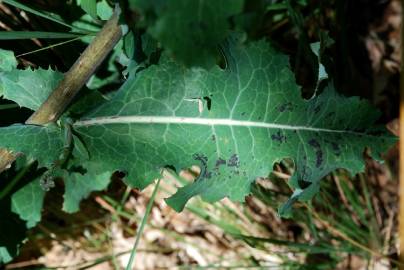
(256, 117)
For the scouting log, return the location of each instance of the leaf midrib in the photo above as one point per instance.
(204, 121)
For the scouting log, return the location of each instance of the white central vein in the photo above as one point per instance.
(199, 121)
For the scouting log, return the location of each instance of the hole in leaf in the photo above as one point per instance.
(171, 167)
(191, 173)
(208, 102)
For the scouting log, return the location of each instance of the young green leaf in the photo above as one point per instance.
(29, 88)
(233, 123)
(7, 61)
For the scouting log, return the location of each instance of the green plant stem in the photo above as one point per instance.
(142, 224)
(8, 106)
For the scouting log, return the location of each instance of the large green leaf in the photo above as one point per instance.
(233, 123)
(190, 30)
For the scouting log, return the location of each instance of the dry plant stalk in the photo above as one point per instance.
(78, 74)
(73, 80)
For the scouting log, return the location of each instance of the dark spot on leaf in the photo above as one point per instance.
(319, 153)
(243, 113)
(233, 161)
(314, 143)
(285, 107)
(279, 137)
(220, 162)
(204, 165)
(305, 172)
(330, 114)
(213, 138)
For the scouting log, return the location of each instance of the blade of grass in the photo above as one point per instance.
(41, 14)
(13, 35)
(8, 106)
(4, 192)
(142, 225)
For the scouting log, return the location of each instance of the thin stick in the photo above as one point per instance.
(79, 73)
(50, 46)
(401, 143)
